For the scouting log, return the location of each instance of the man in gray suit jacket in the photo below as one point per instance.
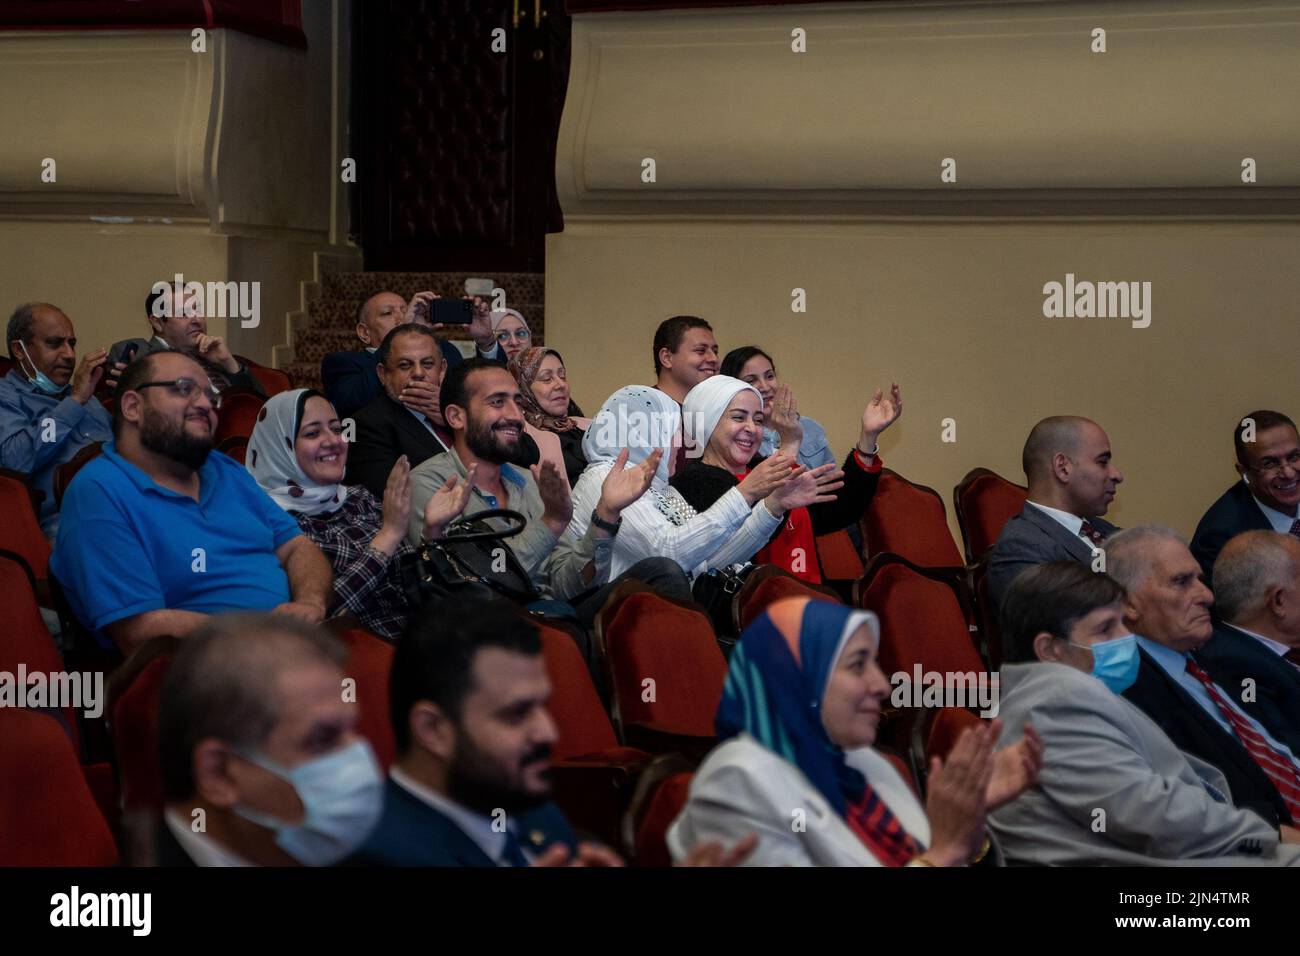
(1072, 481)
(1113, 789)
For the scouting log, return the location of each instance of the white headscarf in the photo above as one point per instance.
(499, 315)
(638, 418)
(271, 460)
(705, 405)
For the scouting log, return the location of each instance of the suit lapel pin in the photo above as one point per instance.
(536, 837)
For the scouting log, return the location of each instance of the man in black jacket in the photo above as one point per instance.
(1268, 460)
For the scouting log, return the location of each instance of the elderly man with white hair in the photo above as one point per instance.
(1167, 606)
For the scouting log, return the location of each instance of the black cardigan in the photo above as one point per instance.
(702, 485)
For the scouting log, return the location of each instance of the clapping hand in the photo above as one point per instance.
(448, 503)
(881, 412)
(810, 487)
(624, 485)
(1015, 768)
(557, 503)
(783, 416)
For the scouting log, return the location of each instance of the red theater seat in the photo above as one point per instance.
(64, 474)
(238, 414)
(908, 519)
(769, 584)
(135, 691)
(984, 502)
(370, 661)
(21, 533)
(661, 794)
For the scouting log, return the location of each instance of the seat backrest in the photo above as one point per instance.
(909, 520)
(921, 621)
(272, 380)
(666, 668)
(839, 557)
(25, 639)
(370, 664)
(583, 725)
(135, 694)
(766, 586)
(660, 810)
(984, 502)
(238, 414)
(20, 531)
(946, 727)
(64, 474)
(236, 446)
(49, 815)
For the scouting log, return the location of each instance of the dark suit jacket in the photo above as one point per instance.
(412, 833)
(1234, 512)
(1194, 731)
(1231, 656)
(1035, 537)
(386, 430)
(351, 383)
(242, 379)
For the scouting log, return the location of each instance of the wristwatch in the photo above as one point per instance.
(603, 525)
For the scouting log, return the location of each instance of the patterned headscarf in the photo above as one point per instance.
(524, 368)
(271, 460)
(776, 683)
(640, 419)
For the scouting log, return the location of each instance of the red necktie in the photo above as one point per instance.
(1293, 656)
(1095, 536)
(1280, 770)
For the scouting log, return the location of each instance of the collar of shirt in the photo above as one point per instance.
(146, 485)
(162, 342)
(1276, 647)
(1071, 523)
(474, 825)
(371, 349)
(1280, 522)
(200, 847)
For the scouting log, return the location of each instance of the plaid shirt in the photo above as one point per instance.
(366, 582)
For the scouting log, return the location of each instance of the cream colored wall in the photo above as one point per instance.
(221, 165)
(776, 172)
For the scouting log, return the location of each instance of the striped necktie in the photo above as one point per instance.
(1280, 770)
(1086, 530)
(1295, 527)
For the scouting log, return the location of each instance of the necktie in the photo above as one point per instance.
(1086, 530)
(1280, 770)
(1293, 655)
(512, 854)
(1295, 527)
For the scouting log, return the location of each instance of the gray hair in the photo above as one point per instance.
(1251, 565)
(1128, 553)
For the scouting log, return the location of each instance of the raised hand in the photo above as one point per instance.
(480, 327)
(714, 853)
(557, 503)
(448, 503)
(624, 485)
(1015, 768)
(783, 416)
(881, 412)
(766, 477)
(956, 798)
(86, 376)
(397, 508)
(422, 395)
(417, 310)
(810, 487)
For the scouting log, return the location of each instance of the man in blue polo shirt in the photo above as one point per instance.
(157, 533)
(48, 409)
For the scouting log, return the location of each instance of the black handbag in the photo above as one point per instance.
(714, 590)
(470, 559)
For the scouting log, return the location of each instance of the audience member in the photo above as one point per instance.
(644, 424)
(685, 353)
(512, 333)
(482, 405)
(182, 328)
(1266, 497)
(798, 716)
(1072, 481)
(48, 409)
(1114, 789)
(545, 401)
(1256, 644)
(754, 367)
(261, 761)
(472, 782)
(1168, 607)
(298, 455)
(724, 418)
(158, 532)
(350, 379)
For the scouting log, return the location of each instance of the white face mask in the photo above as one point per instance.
(342, 799)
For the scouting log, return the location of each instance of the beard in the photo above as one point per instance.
(477, 781)
(170, 439)
(487, 444)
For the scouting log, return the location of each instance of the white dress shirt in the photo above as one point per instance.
(727, 533)
(200, 847)
(1281, 522)
(1071, 523)
(473, 824)
(1174, 663)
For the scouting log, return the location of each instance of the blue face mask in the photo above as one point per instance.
(39, 379)
(1115, 662)
(342, 799)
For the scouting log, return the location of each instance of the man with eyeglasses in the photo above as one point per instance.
(1266, 498)
(351, 380)
(159, 532)
(48, 409)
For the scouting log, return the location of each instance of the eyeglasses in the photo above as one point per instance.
(1271, 466)
(186, 388)
(523, 335)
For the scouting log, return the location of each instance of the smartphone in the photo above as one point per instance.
(451, 311)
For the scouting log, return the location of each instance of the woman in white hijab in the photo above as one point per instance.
(298, 455)
(660, 523)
